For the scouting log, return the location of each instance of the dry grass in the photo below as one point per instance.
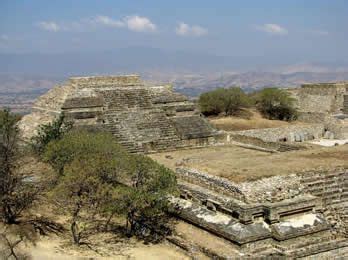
(240, 164)
(253, 121)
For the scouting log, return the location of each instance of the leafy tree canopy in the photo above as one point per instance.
(228, 101)
(275, 103)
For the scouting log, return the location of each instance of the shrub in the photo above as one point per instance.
(276, 103)
(147, 202)
(48, 133)
(229, 101)
(212, 103)
(98, 179)
(78, 144)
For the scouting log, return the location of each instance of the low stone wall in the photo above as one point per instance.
(272, 146)
(209, 181)
(294, 133)
(312, 117)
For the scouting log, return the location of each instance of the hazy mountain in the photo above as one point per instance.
(145, 59)
(25, 76)
(251, 81)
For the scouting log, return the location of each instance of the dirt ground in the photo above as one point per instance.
(240, 164)
(206, 240)
(54, 247)
(256, 121)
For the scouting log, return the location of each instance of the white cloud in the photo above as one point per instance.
(134, 23)
(140, 24)
(184, 29)
(107, 21)
(49, 26)
(272, 28)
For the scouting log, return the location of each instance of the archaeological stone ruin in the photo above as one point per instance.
(144, 118)
(259, 193)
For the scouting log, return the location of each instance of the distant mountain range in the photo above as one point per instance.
(190, 73)
(251, 81)
(146, 59)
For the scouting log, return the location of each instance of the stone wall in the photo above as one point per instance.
(293, 133)
(211, 182)
(345, 104)
(295, 216)
(320, 98)
(257, 143)
(123, 80)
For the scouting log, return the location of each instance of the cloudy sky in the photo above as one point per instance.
(291, 29)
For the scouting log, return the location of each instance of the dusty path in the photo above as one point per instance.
(54, 248)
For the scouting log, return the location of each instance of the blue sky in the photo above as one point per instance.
(297, 30)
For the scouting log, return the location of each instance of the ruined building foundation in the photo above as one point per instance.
(297, 215)
(144, 118)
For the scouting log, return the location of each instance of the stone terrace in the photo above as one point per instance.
(240, 164)
(144, 118)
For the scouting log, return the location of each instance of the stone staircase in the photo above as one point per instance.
(316, 247)
(130, 116)
(194, 126)
(141, 131)
(122, 99)
(140, 126)
(333, 189)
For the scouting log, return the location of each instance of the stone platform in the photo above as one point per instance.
(144, 118)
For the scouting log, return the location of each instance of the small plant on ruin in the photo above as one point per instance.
(18, 189)
(276, 103)
(229, 101)
(49, 132)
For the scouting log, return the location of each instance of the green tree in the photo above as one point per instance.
(275, 103)
(18, 190)
(212, 102)
(77, 144)
(99, 180)
(90, 167)
(82, 194)
(230, 101)
(235, 100)
(49, 132)
(147, 202)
